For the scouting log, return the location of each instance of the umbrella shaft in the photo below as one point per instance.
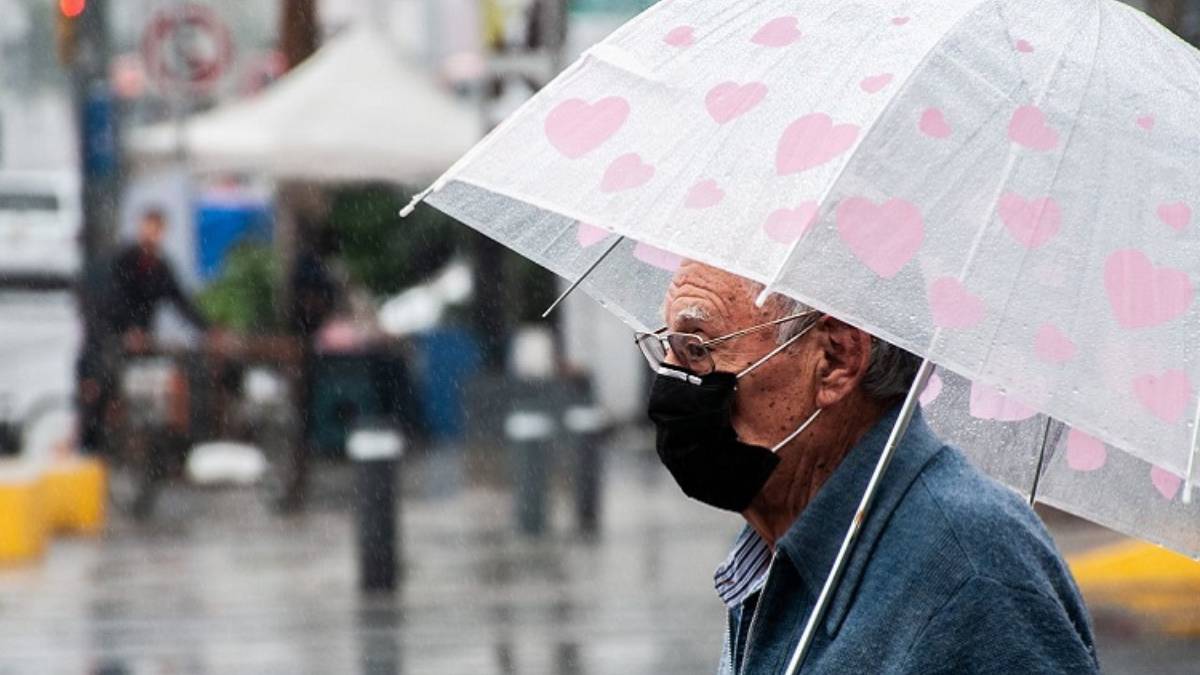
(839, 564)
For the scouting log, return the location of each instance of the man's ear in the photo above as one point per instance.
(846, 353)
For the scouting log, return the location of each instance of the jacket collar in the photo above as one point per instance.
(812, 542)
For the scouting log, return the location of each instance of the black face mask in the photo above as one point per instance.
(697, 443)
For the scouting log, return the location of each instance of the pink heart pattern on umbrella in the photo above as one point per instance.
(589, 235)
(576, 127)
(1024, 47)
(990, 404)
(933, 123)
(657, 257)
(1028, 128)
(933, 389)
(1052, 345)
(1032, 222)
(1165, 482)
(1176, 215)
(704, 194)
(729, 100)
(1143, 295)
(1146, 122)
(875, 83)
(884, 237)
(1165, 395)
(680, 36)
(779, 32)
(787, 225)
(626, 173)
(1084, 452)
(812, 141)
(953, 306)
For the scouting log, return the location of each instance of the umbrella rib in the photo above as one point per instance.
(911, 401)
(1190, 471)
(575, 284)
(1037, 474)
(1058, 164)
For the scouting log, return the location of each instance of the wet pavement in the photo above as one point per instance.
(218, 584)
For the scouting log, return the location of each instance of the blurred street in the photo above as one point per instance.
(39, 337)
(216, 584)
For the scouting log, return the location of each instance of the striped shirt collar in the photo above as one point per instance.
(745, 569)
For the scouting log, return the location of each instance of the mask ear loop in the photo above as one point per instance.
(797, 432)
(811, 418)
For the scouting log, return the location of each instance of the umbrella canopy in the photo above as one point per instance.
(353, 111)
(1002, 186)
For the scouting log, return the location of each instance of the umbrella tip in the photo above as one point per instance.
(762, 297)
(418, 198)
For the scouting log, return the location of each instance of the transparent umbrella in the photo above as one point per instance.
(1004, 187)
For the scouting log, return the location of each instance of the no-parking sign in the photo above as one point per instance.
(188, 47)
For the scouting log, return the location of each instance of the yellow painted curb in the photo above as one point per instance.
(22, 521)
(1147, 580)
(74, 491)
(1133, 562)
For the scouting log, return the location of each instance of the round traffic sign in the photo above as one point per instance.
(187, 46)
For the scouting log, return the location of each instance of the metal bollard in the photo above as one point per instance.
(529, 434)
(588, 425)
(376, 453)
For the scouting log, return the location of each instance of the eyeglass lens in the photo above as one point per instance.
(691, 352)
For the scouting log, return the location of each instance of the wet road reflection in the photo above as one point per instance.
(216, 584)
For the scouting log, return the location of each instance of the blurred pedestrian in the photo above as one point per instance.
(780, 413)
(142, 279)
(123, 296)
(314, 296)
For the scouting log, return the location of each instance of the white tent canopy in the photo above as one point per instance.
(352, 111)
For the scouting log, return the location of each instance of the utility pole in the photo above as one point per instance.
(297, 30)
(534, 62)
(85, 50)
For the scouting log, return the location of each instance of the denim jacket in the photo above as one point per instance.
(952, 573)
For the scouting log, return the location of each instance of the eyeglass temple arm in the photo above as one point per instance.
(759, 327)
(773, 352)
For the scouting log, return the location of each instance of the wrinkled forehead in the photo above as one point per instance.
(702, 294)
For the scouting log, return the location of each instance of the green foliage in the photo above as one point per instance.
(383, 252)
(242, 298)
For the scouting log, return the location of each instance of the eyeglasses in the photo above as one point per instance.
(695, 353)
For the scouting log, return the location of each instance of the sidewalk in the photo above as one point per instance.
(216, 584)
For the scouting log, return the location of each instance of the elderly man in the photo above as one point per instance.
(780, 413)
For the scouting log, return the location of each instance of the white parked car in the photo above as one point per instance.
(40, 220)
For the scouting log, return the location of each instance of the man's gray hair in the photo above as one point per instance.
(891, 371)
